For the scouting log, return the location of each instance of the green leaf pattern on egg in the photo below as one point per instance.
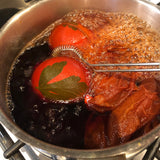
(65, 89)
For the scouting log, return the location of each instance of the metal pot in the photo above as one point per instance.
(31, 21)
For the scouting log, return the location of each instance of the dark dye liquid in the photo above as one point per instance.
(59, 124)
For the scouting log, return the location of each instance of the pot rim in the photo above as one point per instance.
(127, 148)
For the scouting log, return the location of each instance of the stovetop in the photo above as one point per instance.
(7, 10)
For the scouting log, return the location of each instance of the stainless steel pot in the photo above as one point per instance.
(31, 21)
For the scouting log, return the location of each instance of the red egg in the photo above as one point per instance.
(60, 78)
(69, 34)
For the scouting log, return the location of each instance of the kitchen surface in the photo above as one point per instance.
(7, 9)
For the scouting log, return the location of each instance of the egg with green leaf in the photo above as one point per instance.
(60, 78)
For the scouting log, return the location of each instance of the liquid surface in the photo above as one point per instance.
(117, 38)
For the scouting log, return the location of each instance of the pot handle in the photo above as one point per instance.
(17, 4)
(29, 2)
